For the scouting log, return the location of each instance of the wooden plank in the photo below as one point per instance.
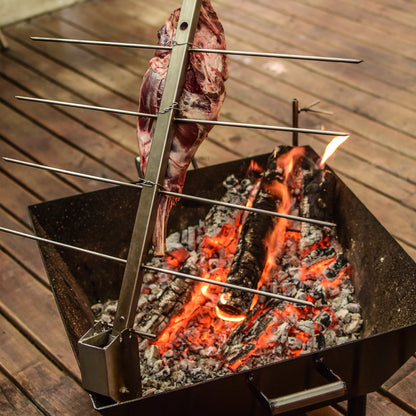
(133, 60)
(355, 13)
(398, 220)
(306, 38)
(13, 402)
(408, 368)
(41, 183)
(28, 8)
(41, 75)
(22, 250)
(45, 147)
(325, 411)
(102, 71)
(380, 405)
(398, 12)
(115, 158)
(15, 199)
(350, 29)
(53, 391)
(31, 307)
(404, 390)
(100, 27)
(326, 88)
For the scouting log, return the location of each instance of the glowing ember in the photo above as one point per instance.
(229, 317)
(331, 148)
(199, 341)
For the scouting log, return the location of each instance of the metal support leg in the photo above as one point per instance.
(357, 406)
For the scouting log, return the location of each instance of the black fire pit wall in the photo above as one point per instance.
(384, 277)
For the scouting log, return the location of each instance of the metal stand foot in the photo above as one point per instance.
(357, 406)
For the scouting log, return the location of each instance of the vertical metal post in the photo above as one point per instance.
(156, 167)
(357, 406)
(295, 121)
(103, 362)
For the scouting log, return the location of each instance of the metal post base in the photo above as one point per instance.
(357, 406)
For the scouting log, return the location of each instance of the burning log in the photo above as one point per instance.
(252, 253)
(319, 191)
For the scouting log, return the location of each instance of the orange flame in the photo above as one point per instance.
(276, 239)
(331, 148)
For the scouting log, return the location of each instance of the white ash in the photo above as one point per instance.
(287, 330)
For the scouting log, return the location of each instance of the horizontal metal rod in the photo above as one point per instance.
(85, 106)
(219, 51)
(187, 120)
(228, 285)
(173, 194)
(157, 269)
(57, 243)
(249, 209)
(280, 55)
(78, 174)
(263, 127)
(100, 43)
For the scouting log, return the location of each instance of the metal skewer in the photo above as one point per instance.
(228, 285)
(219, 51)
(86, 106)
(173, 194)
(64, 245)
(158, 269)
(186, 120)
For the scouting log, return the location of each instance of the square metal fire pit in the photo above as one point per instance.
(102, 221)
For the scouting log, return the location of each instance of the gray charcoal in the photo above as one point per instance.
(294, 343)
(191, 238)
(198, 374)
(307, 326)
(353, 307)
(324, 319)
(330, 338)
(282, 332)
(341, 340)
(300, 294)
(173, 242)
(318, 255)
(333, 270)
(156, 366)
(342, 315)
(179, 377)
(310, 234)
(164, 373)
(152, 353)
(354, 323)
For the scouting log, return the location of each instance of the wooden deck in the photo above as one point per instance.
(375, 101)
